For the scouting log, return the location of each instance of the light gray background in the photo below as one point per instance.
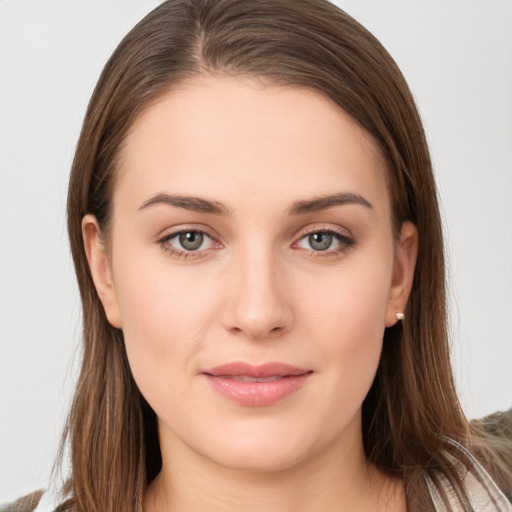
(457, 57)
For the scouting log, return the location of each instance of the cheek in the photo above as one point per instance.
(164, 317)
(347, 318)
(352, 300)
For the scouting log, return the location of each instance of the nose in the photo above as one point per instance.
(259, 303)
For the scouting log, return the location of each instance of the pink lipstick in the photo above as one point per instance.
(257, 386)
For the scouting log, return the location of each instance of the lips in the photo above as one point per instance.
(256, 385)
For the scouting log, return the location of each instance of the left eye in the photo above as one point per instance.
(323, 241)
(189, 241)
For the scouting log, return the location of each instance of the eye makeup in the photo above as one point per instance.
(190, 243)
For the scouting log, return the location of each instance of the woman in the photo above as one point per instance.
(255, 230)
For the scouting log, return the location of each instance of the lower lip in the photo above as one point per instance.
(257, 394)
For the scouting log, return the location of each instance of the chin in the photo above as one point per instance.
(262, 459)
(263, 446)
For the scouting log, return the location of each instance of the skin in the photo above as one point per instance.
(256, 290)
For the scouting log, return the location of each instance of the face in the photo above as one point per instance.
(252, 268)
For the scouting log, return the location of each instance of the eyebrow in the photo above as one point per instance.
(301, 207)
(196, 204)
(325, 202)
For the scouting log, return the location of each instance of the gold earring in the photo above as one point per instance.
(400, 317)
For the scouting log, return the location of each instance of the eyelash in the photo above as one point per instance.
(346, 242)
(184, 253)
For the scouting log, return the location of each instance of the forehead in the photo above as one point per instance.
(232, 138)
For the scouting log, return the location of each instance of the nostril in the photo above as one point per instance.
(255, 333)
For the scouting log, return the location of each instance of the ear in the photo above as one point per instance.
(406, 254)
(101, 269)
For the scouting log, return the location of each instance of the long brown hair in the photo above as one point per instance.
(412, 407)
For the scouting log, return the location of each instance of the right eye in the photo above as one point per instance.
(183, 243)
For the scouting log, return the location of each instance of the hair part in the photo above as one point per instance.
(412, 405)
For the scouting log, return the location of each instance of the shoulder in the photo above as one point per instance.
(496, 429)
(498, 425)
(48, 500)
(484, 492)
(26, 503)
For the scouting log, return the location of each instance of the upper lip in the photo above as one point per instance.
(240, 368)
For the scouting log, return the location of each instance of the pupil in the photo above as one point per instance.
(191, 240)
(320, 241)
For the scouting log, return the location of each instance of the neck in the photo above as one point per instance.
(337, 478)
